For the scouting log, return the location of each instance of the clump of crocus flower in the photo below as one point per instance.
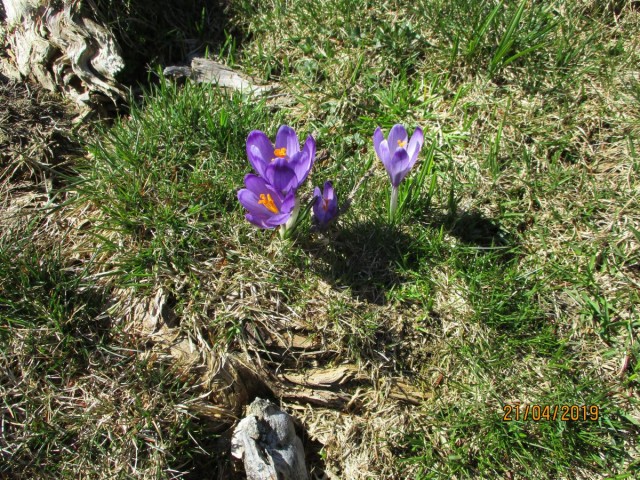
(269, 197)
(325, 204)
(398, 155)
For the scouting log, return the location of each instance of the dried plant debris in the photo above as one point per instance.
(36, 134)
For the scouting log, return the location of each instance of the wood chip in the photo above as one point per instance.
(328, 377)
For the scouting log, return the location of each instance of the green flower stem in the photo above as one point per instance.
(393, 207)
(291, 224)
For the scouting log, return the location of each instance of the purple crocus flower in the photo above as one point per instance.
(325, 204)
(267, 207)
(284, 166)
(397, 156)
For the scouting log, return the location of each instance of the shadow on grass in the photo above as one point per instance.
(165, 32)
(367, 257)
(36, 136)
(474, 230)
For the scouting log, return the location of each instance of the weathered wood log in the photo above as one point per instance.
(63, 51)
(266, 441)
(203, 70)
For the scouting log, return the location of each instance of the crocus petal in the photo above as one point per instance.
(397, 134)
(329, 193)
(255, 183)
(310, 146)
(269, 222)
(381, 146)
(319, 213)
(398, 166)
(277, 220)
(249, 200)
(299, 163)
(303, 161)
(281, 176)
(257, 221)
(286, 210)
(415, 145)
(259, 151)
(287, 138)
(289, 202)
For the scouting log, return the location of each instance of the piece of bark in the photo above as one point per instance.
(325, 377)
(284, 338)
(203, 70)
(316, 396)
(266, 441)
(63, 51)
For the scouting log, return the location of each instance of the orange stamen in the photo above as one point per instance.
(280, 152)
(402, 143)
(267, 201)
(325, 204)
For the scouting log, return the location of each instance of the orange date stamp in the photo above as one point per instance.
(539, 413)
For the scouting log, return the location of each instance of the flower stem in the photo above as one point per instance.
(394, 203)
(292, 223)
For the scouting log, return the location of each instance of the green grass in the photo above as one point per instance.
(177, 185)
(510, 276)
(77, 398)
